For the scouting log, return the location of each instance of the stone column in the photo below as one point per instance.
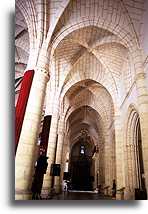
(130, 180)
(24, 162)
(108, 163)
(129, 177)
(133, 161)
(64, 159)
(119, 156)
(57, 181)
(95, 170)
(51, 150)
(130, 160)
(101, 161)
(143, 108)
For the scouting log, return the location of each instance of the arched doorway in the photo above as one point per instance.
(135, 179)
(81, 164)
(141, 191)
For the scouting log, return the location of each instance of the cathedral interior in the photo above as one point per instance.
(81, 99)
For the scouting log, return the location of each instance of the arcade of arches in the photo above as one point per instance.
(81, 83)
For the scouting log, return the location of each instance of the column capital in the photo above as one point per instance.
(140, 75)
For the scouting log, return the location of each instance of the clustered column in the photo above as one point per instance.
(57, 181)
(131, 172)
(95, 168)
(119, 156)
(108, 163)
(143, 108)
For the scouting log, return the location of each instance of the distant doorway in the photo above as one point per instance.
(81, 166)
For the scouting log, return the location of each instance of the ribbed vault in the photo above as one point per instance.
(88, 106)
(90, 93)
(21, 43)
(91, 53)
(101, 32)
(82, 119)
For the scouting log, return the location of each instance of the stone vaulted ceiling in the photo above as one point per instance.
(87, 39)
(21, 43)
(62, 13)
(88, 107)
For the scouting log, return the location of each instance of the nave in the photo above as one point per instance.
(81, 98)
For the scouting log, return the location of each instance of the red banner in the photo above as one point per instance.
(45, 133)
(22, 103)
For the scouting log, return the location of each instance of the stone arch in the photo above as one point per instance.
(106, 115)
(123, 36)
(107, 129)
(133, 154)
(82, 24)
(94, 107)
(94, 21)
(22, 43)
(28, 10)
(97, 142)
(66, 88)
(102, 128)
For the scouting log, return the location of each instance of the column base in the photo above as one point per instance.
(129, 195)
(119, 196)
(45, 193)
(23, 195)
(58, 189)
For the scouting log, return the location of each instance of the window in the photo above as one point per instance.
(82, 150)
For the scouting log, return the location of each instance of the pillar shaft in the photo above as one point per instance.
(143, 113)
(51, 151)
(119, 156)
(109, 162)
(24, 162)
(107, 148)
(142, 92)
(57, 183)
(96, 170)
